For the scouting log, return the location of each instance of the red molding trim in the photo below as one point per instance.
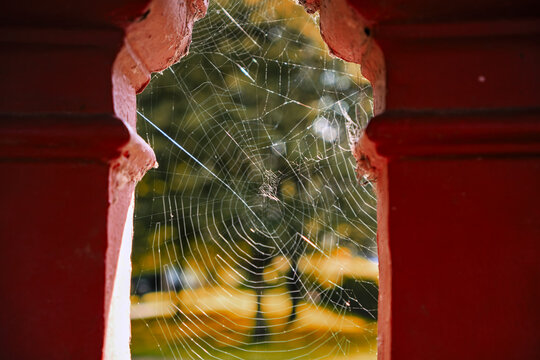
(412, 134)
(477, 29)
(91, 36)
(62, 137)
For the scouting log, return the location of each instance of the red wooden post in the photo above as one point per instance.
(70, 161)
(455, 153)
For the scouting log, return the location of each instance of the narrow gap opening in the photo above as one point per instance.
(254, 239)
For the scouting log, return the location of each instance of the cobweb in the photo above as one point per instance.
(254, 239)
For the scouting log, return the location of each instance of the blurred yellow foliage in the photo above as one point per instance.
(288, 188)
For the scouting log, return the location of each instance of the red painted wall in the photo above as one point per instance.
(52, 269)
(455, 151)
(70, 159)
(464, 275)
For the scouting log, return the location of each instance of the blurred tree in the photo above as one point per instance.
(263, 107)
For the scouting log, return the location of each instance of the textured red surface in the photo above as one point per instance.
(455, 156)
(430, 11)
(464, 275)
(455, 150)
(52, 271)
(70, 159)
(458, 233)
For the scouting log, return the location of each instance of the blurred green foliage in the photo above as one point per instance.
(244, 102)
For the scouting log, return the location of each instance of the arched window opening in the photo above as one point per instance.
(255, 238)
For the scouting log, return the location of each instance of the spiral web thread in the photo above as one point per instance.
(254, 239)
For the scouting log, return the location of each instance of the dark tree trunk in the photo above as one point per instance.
(294, 288)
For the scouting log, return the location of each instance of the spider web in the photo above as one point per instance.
(254, 239)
